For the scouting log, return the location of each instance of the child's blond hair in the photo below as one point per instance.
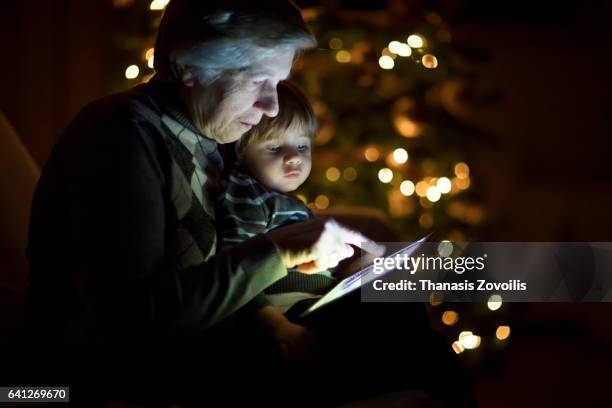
(294, 111)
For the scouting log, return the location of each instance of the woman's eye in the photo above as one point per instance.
(259, 81)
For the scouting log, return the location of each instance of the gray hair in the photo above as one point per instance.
(214, 36)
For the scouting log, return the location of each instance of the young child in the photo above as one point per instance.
(274, 158)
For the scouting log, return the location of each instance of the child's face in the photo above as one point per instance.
(282, 164)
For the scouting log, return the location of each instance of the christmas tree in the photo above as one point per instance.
(389, 87)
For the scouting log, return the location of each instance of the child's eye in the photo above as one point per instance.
(302, 148)
(258, 81)
(274, 149)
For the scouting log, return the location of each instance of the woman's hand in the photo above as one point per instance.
(319, 244)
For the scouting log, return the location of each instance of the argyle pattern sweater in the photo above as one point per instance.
(123, 237)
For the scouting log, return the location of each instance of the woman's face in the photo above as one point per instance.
(236, 102)
(281, 164)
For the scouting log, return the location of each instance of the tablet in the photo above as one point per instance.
(362, 277)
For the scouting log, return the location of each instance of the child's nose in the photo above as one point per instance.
(293, 157)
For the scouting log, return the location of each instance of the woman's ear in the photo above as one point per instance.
(188, 78)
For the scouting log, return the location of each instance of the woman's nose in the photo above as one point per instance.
(268, 101)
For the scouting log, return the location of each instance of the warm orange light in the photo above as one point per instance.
(458, 347)
(462, 170)
(502, 332)
(343, 56)
(406, 127)
(421, 188)
(332, 174)
(149, 53)
(426, 221)
(450, 317)
(321, 202)
(349, 174)
(371, 154)
(429, 61)
(335, 43)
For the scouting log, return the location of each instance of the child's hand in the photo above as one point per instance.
(294, 342)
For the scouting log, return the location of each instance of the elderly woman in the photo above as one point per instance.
(123, 237)
(123, 229)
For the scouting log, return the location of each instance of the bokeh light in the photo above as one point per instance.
(470, 341)
(404, 50)
(385, 175)
(371, 154)
(426, 221)
(132, 72)
(405, 126)
(502, 332)
(386, 62)
(444, 185)
(433, 194)
(421, 188)
(158, 4)
(429, 61)
(494, 302)
(400, 155)
(415, 41)
(343, 56)
(450, 317)
(349, 174)
(445, 248)
(321, 202)
(335, 43)
(149, 53)
(407, 188)
(332, 174)
(462, 170)
(394, 46)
